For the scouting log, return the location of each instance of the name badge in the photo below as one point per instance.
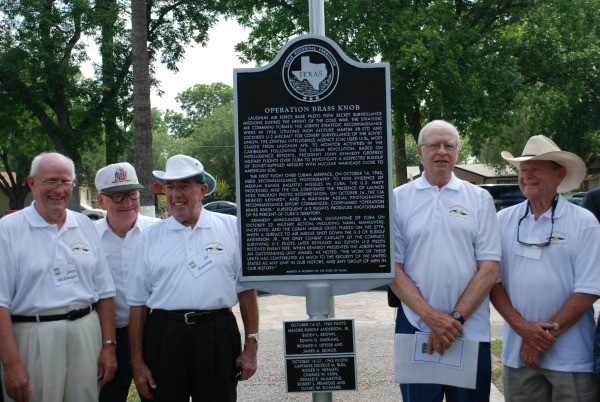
(64, 274)
(200, 265)
(535, 253)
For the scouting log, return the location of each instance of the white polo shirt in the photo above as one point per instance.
(540, 280)
(178, 267)
(119, 255)
(45, 268)
(439, 235)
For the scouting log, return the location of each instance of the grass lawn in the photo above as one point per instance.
(497, 363)
(133, 395)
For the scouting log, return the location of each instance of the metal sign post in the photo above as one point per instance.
(314, 173)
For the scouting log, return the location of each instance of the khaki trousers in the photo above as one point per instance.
(61, 357)
(527, 384)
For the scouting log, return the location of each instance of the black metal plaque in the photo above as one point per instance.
(321, 374)
(310, 337)
(313, 151)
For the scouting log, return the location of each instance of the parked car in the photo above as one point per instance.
(224, 207)
(92, 213)
(576, 198)
(504, 195)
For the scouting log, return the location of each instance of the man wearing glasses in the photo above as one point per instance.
(57, 330)
(185, 340)
(550, 278)
(119, 195)
(447, 248)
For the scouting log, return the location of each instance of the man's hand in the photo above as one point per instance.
(537, 335)
(444, 331)
(143, 379)
(247, 360)
(16, 381)
(107, 364)
(530, 355)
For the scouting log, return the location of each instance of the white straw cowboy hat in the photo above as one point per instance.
(181, 167)
(543, 148)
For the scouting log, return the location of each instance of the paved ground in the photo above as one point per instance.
(374, 336)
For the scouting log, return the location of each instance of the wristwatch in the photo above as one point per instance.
(458, 316)
(253, 336)
(109, 342)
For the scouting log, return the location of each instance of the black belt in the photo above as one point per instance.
(71, 316)
(190, 317)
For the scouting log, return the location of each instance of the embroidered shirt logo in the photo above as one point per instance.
(214, 248)
(80, 248)
(120, 175)
(458, 211)
(557, 237)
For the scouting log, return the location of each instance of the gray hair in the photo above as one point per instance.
(35, 164)
(438, 124)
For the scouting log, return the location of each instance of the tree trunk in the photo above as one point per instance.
(142, 123)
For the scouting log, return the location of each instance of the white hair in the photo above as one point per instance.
(35, 164)
(438, 124)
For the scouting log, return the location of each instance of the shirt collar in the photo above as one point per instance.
(104, 227)
(561, 206)
(36, 220)
(454, 184)
(204, 222)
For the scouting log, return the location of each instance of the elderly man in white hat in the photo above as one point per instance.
(185, 340)
(550, 279)
(119, 194)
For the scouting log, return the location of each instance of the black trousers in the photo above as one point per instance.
(194, 360)
(118, 388)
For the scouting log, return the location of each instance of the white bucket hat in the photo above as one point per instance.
(117, 177)
(181, 167)
(543, 148)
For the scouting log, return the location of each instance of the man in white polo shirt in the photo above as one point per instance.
(185, 341)
(550, 278)
(57, 333)
(447, 248)
(119, 195)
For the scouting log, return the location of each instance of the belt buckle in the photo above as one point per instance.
(185, 318)
(73, 315)
(77, 314)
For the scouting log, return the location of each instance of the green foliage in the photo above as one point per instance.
(222, 192)
(197, 102)
(501, 68)
(42, 49)
(211, 134)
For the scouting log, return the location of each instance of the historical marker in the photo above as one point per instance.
(310, 337)
(321, 374)
(313, 144)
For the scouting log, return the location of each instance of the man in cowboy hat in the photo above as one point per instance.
(185, 279)
(549, 281)
(119, 195)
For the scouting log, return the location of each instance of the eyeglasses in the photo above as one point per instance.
(435, 146)
(547, 242)
(55, 183)
(119, 197)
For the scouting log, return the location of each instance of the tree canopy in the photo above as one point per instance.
(44, 44)
(479, 64)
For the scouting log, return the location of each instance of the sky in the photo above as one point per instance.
(202, 65)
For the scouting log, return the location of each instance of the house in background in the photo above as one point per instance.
(480, 173)
(476, 173)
